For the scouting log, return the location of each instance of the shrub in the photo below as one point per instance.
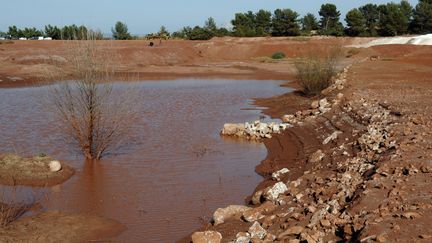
(10, 208)
(278, 55)
(315, 73)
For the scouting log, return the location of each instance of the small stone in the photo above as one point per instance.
(295, 230)
(332, 137)
(55, 166)
(232, 128)
(315, 104)
(278, 174)
(252, 215)
(206, 237)
(257, 231)
(324, 103)
(381, 238)
(273, 192)
(411, 215)
(256, 198)
(269, 237)
(325, 223)
(222, 214)
(243, 237)
(316, 157)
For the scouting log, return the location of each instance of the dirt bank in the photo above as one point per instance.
(27, 62)
(60, 227)
(358, 172)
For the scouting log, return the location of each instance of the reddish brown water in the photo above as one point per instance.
(171, 176)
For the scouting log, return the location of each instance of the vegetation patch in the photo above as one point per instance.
(315, 73)
(35, 171)
(278, 55)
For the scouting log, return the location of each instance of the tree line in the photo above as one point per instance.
(389, 19)
(67, 32)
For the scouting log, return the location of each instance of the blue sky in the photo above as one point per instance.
(147, 16)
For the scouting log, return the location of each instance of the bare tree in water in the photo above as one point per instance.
(95, 115)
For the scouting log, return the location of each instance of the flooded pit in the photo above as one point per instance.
(173, 174)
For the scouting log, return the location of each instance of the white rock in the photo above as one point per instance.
(232, 128)
(332, 137)
(272, 193)
(324, 103)
(207, 237)
(222, 214)
(277, 175)
(243, 237)
(55, 166)
(257, 231)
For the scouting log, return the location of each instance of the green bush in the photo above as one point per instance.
(315, 73)
(278, 55)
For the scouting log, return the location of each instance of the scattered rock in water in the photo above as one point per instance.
(233, 129)
(255, 130)
(222, 214)
(207, 237)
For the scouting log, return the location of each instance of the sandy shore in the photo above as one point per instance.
(356, 191)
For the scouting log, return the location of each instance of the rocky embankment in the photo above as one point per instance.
(354, 187)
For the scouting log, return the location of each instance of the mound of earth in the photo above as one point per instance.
(60, 227)
(16, 170)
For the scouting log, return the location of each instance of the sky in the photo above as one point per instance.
(145, 16)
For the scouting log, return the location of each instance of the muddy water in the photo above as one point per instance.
(171, 176)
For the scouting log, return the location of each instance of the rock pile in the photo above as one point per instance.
(255, 130)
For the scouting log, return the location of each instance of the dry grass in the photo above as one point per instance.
(315, 73)
(11, 209)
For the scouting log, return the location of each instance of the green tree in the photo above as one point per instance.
(31, 32)
(392, 20)
(263, 22)
(244, 24)
(210, 24)
(329, 22)
(406, 9)
(422, 17)
(356, 23)
(14, 32)
(163, 32)
(198, 33)
(371, 14)
(120, 31)
(285, 23)
(53, 32)
(309, 23)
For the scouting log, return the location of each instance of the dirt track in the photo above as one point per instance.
(390, 201)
